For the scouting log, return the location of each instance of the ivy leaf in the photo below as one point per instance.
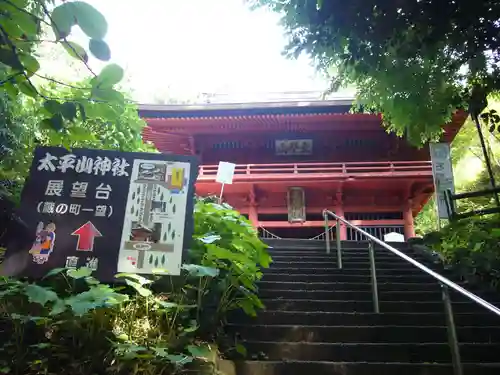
(63, 20)
(53, 272)
(76, 51)
(179, 359)
(79, 273)
(110, 75)
(90, 20)
(210, 239)
(202, 351)
(9, 58)
(241, 349)
(68, 110)
(100, 49)
(200, 271)
(40, 295)
(139, 288)
(140, 279)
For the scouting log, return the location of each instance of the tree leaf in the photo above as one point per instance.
(28, 89)
(62, 20)
(75, 50)
(90, 20)
(100, 49)
(9, 58)
(107, 95)
(68, 110)
(40, 295)
(30, 63)
(52, 106)
(109, 76)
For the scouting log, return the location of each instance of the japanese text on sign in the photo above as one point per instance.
(98, 166)
(443, 175)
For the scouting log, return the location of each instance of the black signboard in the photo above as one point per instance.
(107, 210)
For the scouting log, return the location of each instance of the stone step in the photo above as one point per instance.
(372, 352)
(399, 263)
(394, 296)
(363, 334)
(366, 306)
(350, 368)
(322, 282)
(273, 317)
(363, 258)
(366, 278)
(355, 271)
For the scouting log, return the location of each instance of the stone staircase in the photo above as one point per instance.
(319, 320)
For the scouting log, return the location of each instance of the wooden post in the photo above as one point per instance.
(253, 215)
(339, 211)
(409, 228)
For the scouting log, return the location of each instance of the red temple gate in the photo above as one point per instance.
(341, 161)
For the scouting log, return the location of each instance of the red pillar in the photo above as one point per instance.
(409, 228)
(253, 216)
(339, 211)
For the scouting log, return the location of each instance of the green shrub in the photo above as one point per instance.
(472, 247)
(71, 323)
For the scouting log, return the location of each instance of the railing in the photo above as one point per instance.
(451, 199)
(445, 283)
(264, 233)
(243, 171)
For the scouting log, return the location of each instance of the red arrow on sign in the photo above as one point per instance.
(86, 235)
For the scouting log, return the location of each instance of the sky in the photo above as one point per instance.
(181, 48)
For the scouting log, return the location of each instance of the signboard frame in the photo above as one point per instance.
(442, 172)
(65, 222)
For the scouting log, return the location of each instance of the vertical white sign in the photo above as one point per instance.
(225, 173)
(153, 228)
(442, 172)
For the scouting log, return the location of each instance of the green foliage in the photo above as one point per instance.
(20, 130)
(71, 323)
(416, 62)
(471, 246)
(22, 22)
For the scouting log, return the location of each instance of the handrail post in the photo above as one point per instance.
(339, 246)
(452, 332)
(327, 238)
(373, 271)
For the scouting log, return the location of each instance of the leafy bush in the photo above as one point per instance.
(71, 323)
(472, 247)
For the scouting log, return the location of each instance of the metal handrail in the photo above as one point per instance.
(445, 283)
(419, 265)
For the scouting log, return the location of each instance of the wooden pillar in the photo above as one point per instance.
(409, 228)
(253, 215)
(339, 211)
